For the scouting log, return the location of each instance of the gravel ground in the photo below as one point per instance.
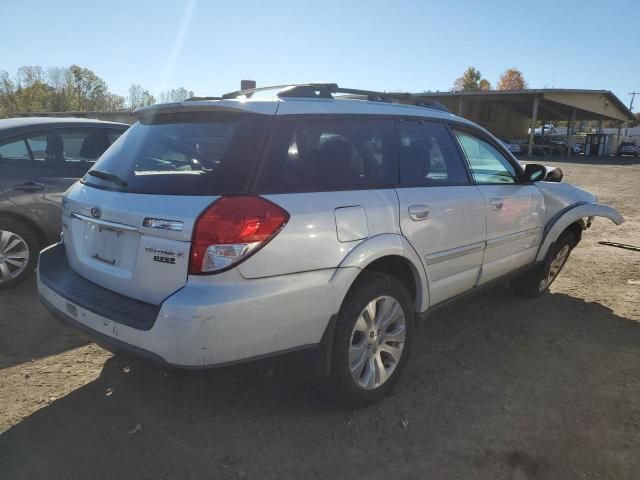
(497, 387)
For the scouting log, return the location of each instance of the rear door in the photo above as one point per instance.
(54, 160)
(515, 210)
(441, 212)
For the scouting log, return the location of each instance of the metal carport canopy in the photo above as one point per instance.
(553, 103)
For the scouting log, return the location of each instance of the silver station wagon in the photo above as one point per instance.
(220, 230)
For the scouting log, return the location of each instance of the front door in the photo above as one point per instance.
(515, 211)
(441, 213)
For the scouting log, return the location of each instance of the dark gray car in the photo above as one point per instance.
(39, 159)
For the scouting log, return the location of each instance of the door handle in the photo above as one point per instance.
(418, 212)
(496, 203)
(29, 186)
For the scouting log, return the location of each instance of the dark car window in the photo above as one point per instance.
(206, 153)
(65, 146)
(112, 134)
(15, 152)
(322, 154)
(428, 155)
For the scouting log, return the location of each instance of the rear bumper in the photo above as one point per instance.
(213, 320)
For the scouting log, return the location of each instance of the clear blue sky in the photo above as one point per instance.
(208, 46)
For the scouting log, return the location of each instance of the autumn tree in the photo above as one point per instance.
(470, 81)
(484, 84)
(512, 79)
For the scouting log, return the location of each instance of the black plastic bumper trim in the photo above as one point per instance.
(56, 273)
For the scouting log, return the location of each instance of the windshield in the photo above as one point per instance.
(183, 154)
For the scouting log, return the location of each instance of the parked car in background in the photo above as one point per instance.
(353, 219)
(39, 159)
(512, 147)
(628, 148)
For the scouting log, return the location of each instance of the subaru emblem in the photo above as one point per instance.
(96, 212)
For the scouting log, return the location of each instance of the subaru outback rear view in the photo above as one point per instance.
(223, 230)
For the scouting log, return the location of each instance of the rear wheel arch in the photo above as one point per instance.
(28, 223)
(391, 254)
(397, 267)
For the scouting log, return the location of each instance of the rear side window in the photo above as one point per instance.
(323, 154)
(428, 155)
(63, 146)
(202, 153)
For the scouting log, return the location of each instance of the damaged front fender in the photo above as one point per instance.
(572, 214)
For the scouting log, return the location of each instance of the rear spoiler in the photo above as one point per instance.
(208, 105)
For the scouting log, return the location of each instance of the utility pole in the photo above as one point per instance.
(633, 97)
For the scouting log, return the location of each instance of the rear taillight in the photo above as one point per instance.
(231, 229)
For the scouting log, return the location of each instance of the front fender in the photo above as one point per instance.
(569, 215)
(385, 245)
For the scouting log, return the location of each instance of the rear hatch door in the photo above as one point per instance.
(128, 224)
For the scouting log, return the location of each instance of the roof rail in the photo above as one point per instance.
(327, 90)
(196, 99)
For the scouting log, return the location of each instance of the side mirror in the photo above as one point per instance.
(554, 175)
(534, 172)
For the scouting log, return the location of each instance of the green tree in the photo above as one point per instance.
(470, 81)
(8, 100)
(174, 95)
(139, 97)
(90, 90)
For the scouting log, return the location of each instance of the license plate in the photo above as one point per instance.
(106, 244)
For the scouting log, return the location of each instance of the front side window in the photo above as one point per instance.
(15, 152)
(428, 155)
(487, 164)
(324, 154)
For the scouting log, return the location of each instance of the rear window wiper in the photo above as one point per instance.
(107, 176)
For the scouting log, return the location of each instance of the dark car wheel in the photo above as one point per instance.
(19, 249)
(536, 283)
(372, 342)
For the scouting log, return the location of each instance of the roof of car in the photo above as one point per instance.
(301, 106)
(12, 126)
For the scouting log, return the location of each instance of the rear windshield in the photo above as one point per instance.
(184, 154)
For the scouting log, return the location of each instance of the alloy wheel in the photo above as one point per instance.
(14, 255)
(377, 342)
(556, 265)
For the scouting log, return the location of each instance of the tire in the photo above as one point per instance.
(535, 284)
(377, 351)
(19, 249)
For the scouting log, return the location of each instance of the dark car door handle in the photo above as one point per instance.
(29, 186)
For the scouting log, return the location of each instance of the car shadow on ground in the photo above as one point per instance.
(497, 387)
(27, 330)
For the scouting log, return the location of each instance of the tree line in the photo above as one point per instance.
(69, 89)
(472, 80)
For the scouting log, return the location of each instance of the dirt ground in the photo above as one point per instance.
(497, 387)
